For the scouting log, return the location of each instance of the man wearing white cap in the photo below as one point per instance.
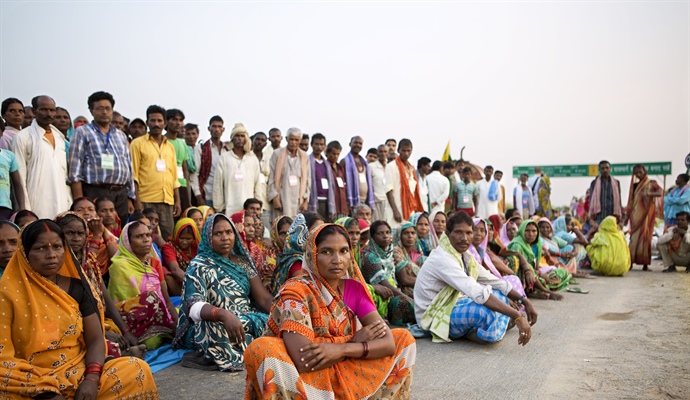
(289, 182)
(237, 174)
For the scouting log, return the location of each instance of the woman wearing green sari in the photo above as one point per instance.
(378, 270)
(405, 246)
(224, 303)
(548, 280)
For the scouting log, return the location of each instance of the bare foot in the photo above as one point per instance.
(539, 295)
(136, 351)
(556, 296)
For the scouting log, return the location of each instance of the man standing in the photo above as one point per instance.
(276, 138)
(342, 209)
(674, 246)
(28, 116)
(174, 130)
(259, 141)
(465, 194)
(206, 158)
(372, 157)
(523, 199)
(481, 312)
(358, 176)
(423, 170)
(489, 194)
(40, 153)
(154, 166)
(118, 121)
(390, 143)
(605, 194)
(382, 210)
(459, 166)
(402, 186)
(448, 170)
(304, 143)
(322, 197)
(137, 128)
(191, 135)
(439, 189)
(99, 158)
(289, 183)
(498, 175)
(237, 174)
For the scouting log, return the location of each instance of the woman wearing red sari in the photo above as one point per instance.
(644, 205)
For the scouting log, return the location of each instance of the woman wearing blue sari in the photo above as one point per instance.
(224, 304)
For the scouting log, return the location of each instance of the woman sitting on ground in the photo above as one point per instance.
(378, 270)
(608, 251)
(351, 225)
(23, 217)
(253, 229)
(9, 236)
(557, 248)
(196, 215)
(289, 262)
(565, 228)
(481, 252)
(58, 351)
(547, 281)
(405, 245)
(426, 237)
(105, 208)
(279, 230)
(219, 316)
(325, 338)
(137, 285)
(178, 253)
(438, 222)
(206, 211)
(364, 236)
(119, 340)
(101, 242)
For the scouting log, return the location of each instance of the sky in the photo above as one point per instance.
(516, 83)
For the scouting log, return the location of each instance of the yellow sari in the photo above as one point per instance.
(46, 351)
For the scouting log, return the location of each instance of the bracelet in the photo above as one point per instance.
(517, 319)
(366, 350)
(215, 312)
(98, 382)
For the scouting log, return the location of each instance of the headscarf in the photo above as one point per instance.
(206, 211)
(345, 222)
(505, 240)
(182, 258)
(239, 128)
(127, 271)
(325, 305)
(188, 210)
(407, 256)
(559, 225)
(297, 237)
(608, 250)
(275, 235)
(238, 249)
(429, 242)
(531, 252)
(57, 327)
(496, 223)
(378, 264)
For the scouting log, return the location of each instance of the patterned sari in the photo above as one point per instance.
(642, 211)
(219, 281)
(309, 306)
(135, 287)
(293, 252)
(428, 243)
(271, 254)
(405, 259)
(46, 352)
(482, 256)
(379, 265)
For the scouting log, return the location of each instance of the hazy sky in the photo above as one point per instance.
(517, 83)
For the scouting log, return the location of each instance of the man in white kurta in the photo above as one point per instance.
(40, 153)
(382, 211)
(488, 207)
(237, 174)
(439, 189)
(394, 184)
(289, 182)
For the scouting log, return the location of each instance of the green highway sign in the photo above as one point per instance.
(584, 170)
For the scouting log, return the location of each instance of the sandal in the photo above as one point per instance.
(197, 360)
(577, 290)
(671, 268)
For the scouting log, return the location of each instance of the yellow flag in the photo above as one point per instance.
(446, 154)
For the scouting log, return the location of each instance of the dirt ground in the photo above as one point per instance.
(629, 338)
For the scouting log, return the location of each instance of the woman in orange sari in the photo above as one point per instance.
(58, 349)
(644, 205)
(324, 338)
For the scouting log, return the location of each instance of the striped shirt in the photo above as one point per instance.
(465, 194)
(100, 159)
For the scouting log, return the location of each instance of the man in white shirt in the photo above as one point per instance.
(40, 153)
(439, 188)
(489, 194)
(423, 170)
(259, 141)
(477, 306)
(237, 174)
(382, 211)
(276, 138)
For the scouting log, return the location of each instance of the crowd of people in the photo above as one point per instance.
(309, 270)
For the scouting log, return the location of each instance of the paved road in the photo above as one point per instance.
(628, 339)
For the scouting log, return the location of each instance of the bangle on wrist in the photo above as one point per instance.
(365, 353)
(517, 319)
(215, 312)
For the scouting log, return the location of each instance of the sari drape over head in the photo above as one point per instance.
(308, 306)
(294, 251)
(643, 209)
(608, 250)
